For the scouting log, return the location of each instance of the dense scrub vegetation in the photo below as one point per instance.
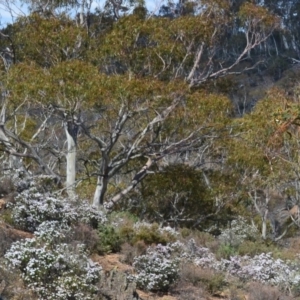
(171, 137)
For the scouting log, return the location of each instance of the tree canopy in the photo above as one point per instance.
(133, 109)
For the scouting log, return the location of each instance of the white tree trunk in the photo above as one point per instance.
(100, 191)
(71, 164)
(285, 43)
(262, 208)
(97, 193)
(14, 162)
(264, 224)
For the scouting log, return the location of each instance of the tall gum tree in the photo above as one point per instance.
(190, 47)
(128, 121)
(263, 155)
(55, 105)
(135, 88)
(51, 40)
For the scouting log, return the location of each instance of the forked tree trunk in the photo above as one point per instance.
(262, 208)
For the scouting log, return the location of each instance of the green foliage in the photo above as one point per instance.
(201, 237)
(161, 47)
(151, 234)
(50, 4)
(48, 41)
(123, 228)
(257, 17)
(181, 196)
(134, 68)
(225, 251)
(177, 188)
(124, 224)
(276, 66)
(109, 239)
(63, 85)
(216, 283)
(252, 248)
(7, 216)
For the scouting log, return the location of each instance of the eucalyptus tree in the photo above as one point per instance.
(128, 97)
(193, 47)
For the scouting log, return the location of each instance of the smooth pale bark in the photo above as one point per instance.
(101, 188)
(14, 161)
(71, 162)
(253, 37)
(264, 224)
(285, 43)
(102, 182)
(262, 209)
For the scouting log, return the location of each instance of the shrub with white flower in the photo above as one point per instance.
(239, 231)
(156, 270)
(89, 214)
(169, 231)
(33, 207)
(201, 256)
(53, 269)
(265, 269)
(262, 268)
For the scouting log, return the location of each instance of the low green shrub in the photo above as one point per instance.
(252, 248)
(153, 234)
(225, 251)
(109, 239)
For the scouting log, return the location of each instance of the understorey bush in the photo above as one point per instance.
(258, 291)
(262, 268)
(238, 232)
(109, 239)
(208, 279)
(252, 248)
(157, 270)
(153, 233)
(201, 256)
(52, 268)
(33, 207)
(265, 269)
(225, 251)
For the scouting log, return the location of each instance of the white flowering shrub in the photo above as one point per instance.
(53, 269)
(156, 270)
(33, 207)
(239, 231)
(262, 268)
(201, 256)
(265, 269)
(89, 214)
(168, 230)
